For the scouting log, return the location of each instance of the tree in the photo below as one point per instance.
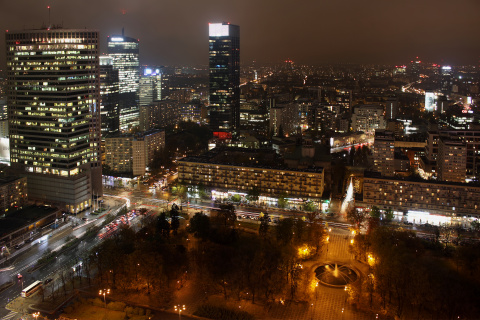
(175, 220)
(475, 225)
(352, 156)
(202, 191)
(163, 227)
(236, 198)
(309, 206)
(227, 214)
(284, 230)
(356, 217)
(264, 224)
(200, 225)
(282, 201)
(253, 194)
(375, 212)
(180, 190)
(388, 215)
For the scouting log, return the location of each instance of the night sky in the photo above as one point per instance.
(175, 32)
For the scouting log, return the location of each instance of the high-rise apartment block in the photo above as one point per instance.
(384, 153)
(125, 51)
(54, 114)
(368, 118)
(284, 118)
(159, 114)
(451, 159)
(131, 154)
(224, 65)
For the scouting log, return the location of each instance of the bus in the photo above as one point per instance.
(31, 289)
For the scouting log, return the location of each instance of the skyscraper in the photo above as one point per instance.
(124, 52)
(54, 115)
(224, 65)
(150, 86)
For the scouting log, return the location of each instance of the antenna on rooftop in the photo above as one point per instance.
(49, 24)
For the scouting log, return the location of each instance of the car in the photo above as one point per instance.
(85, 219)
(19, 276)
(48, 281)
(18, 246)
(28, 240)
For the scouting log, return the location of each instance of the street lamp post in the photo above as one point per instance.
(179, 308)
(103, 293)
(36, 314)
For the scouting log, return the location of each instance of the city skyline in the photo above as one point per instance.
(317, 33)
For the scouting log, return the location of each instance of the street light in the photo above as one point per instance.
(179, 308)
(36, 314)
(103, 293)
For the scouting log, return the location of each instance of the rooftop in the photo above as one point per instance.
(24, 217)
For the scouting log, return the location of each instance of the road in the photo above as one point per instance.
(25, 258)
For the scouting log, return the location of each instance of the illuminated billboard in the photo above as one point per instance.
(218, 30)
(116, 39)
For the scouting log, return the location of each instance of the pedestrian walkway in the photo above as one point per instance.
(329, 303)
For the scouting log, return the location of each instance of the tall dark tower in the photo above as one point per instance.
(109, 97)
(224, 65)
(54, 114)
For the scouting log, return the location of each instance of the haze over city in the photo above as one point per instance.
(239, 160)
(308, 32)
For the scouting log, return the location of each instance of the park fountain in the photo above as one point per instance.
(335, 275)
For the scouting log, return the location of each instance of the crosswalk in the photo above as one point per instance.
(10, 315)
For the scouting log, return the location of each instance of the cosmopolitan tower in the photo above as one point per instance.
(224, 69)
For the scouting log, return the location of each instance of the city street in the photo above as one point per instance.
(22, 261)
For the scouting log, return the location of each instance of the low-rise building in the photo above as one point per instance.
(13, 194)
(226, 170)
(424, 195)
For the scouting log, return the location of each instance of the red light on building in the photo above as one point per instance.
(222, 135)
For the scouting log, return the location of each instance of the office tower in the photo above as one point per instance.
(124, 52)
(224, 64)
(150, 86)
(109, 97)
(54, 114)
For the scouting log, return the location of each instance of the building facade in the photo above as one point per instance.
(384, 153)
(224, 66)
(452, 160)
(207, 170)
(368, 118)
(54, 114)
(159, 114)
(131, 154)
(13, 194)
(109, 97)
(435, 197)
